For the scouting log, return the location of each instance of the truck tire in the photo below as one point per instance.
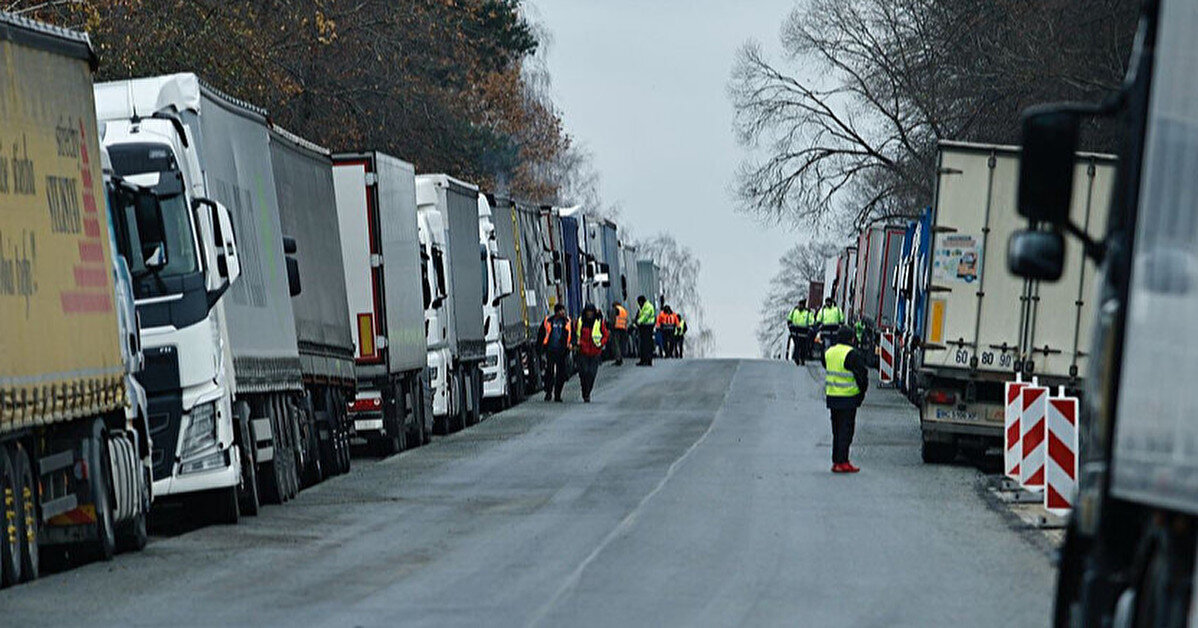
(271, 474)
(103, 547)
(475, 381)
(28, 517)
(251, 499)
(132, 536)
(937, 453)
(10, 544)
(415, 396)
(462, 406)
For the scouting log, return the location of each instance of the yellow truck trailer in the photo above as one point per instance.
(73, 445)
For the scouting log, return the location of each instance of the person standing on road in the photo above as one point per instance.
(827, 321)
(592, 336)
(799, 324)
(845, 382)
(554, 339)
(645, 318)
(621, 343)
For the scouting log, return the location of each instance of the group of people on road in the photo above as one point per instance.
(805, 324)
(846, 372)
(588, 337)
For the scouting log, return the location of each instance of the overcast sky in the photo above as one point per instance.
(642, 84)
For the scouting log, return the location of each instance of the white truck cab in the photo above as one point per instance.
(182, 258)
(498, 285)
(436, 316)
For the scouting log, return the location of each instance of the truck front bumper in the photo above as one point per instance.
(494, 371)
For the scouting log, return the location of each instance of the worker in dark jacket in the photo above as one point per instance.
(845, 382)
(592, 337)
(554, 340)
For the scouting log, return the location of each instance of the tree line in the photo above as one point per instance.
(450, 85)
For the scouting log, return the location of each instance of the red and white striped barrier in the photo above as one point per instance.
(1012, 436)
(1034, 405)
(1061, 460)
(886, 359)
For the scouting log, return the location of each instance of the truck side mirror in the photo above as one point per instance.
(1038, 255)
(1046, 165)
(293, 277)
(503, 277)
(289, 246)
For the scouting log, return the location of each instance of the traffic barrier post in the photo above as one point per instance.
(1012, 436)
(1060, 467)
(1034, 404)
(886, 360)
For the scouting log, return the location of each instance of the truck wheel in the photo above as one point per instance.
(10, 547)
(26, 493)
(251, 500)
(103, 547)
(476, 395)
(937, 453)
(223, 506)
(463, 405)
(272, 482)
(133, 535)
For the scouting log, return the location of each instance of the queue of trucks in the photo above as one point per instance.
(200, 306)
(962, 326)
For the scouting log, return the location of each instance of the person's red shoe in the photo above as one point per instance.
(838, 468)
(849, 468)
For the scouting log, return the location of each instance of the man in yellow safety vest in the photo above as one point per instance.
(646, 318)
(845, 382)
(799, 323)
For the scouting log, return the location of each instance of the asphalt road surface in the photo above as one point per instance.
(694, 493)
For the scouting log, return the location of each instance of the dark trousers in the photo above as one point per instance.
(620, 345)
(679, 343)
(801, 339)
(844, 422)
(555, 373)
(647, 344)
(588, 368)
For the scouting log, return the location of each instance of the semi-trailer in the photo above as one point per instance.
(74, 442)
(815, 294)
(457, 345)
(983, 325)
(303, 173)
(878, 250)
(911, 297)
(385, 278)
(649, 277)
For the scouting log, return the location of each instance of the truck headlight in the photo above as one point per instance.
(433, 372)
(216, 460)
(492, 361)
(201, 430)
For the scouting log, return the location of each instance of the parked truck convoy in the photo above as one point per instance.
(185, 361)
(74, 441)
(1129, 552)
(385, 268)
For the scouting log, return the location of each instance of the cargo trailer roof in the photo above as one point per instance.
(47, 37)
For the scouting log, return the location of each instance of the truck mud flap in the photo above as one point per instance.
(263, 436)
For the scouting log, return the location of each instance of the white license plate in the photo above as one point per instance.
(943, 414)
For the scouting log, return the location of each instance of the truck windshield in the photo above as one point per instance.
(147, 222)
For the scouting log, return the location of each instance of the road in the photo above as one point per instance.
(694, 493)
